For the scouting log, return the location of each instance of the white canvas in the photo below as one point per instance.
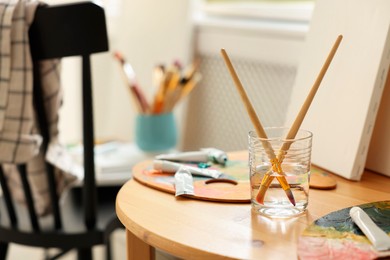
(378, 158)
(343, 112)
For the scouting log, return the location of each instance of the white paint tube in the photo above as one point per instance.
(167, 166)
(204, 155)
(377, 236)
(184, 182)
(216, 155)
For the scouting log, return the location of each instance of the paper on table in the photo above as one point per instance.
(113, 160)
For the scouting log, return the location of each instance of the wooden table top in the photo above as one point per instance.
(197, 229)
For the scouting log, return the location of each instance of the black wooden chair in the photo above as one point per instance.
(77, 29)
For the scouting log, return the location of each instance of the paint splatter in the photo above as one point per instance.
(336, 235)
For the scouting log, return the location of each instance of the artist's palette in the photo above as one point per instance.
(234, 188)
(335, 236)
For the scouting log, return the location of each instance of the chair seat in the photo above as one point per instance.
(74, 233)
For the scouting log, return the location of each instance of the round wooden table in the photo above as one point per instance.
(195, 229)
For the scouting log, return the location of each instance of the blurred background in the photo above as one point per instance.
(263, 38)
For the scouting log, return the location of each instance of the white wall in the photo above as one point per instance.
(147, 32)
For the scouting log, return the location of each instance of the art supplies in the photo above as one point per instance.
(295, 168)
(135, 91)
(167, 166)
(337, 236)
(301, 115)
(204, 155)
(277, 161)
(379, 239)
(184, 182)
(231, 187)
(173, 84)
(259, 128)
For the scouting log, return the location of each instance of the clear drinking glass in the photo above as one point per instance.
(279, 176)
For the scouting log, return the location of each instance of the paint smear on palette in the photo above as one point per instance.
(238, 169)
(335, 236)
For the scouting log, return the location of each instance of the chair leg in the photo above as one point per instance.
(3, 250)
(108, 250)
(84, 254)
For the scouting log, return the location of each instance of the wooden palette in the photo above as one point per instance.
(234, 189)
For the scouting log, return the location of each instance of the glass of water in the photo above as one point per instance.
(279, 172)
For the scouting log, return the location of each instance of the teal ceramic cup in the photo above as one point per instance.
(154, 133)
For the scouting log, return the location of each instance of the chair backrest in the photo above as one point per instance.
(74, 30)
(60, 31)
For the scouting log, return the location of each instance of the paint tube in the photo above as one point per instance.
(216, 155)
(204, 155)
(183, 182)
(377, 236)
(167, 166)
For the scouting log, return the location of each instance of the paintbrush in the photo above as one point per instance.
(188, 81)
(131, 80)
(259, 128)
(267, 179)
